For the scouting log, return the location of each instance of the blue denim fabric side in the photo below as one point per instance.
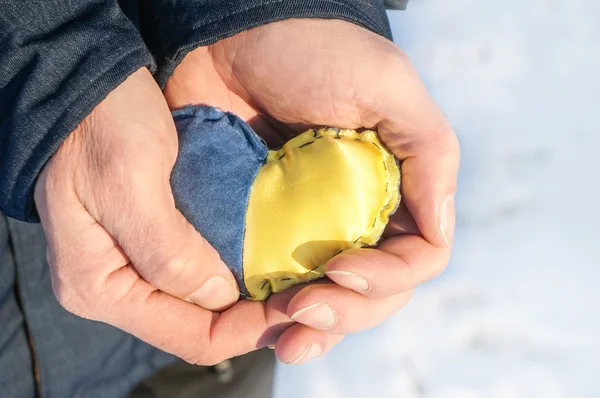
(219, 157)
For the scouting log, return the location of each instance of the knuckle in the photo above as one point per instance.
(76, 293)
(204, 352)
(168, 269)
(399, 57)
(68, 298)
(402, 300)
(448, 140)
(175, 259)
(174, 270)
(407, 297)
(207, 360)
(438, 268)
(394, 60)
(203, 357)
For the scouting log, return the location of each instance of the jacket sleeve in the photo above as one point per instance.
(172, 28)
(58, 60)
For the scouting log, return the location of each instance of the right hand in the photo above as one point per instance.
(121, 253)
(287, 76)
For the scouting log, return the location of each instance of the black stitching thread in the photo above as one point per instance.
(357, 239)
(375, 145)
(374, 222)
(317, 137)
(314, 268)
(338, 253)
(286, 279)
(264, 284)
(386, 186)
(384, 165)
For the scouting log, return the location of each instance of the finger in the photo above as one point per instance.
(300, 344)
(192, 333)
(185, 330)
(398, 265)
(338, 310)
(166, 249)
(417, 132)
(428, 189)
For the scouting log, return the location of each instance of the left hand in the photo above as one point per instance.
(287, 76)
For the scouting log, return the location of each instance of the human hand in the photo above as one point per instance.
(287, 76)
(121, 253)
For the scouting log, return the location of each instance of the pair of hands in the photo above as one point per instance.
(120, 252)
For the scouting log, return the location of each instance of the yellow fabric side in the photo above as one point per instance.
(323, 192)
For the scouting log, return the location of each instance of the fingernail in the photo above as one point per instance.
(447, 219)
(311, 352)
(216, 294)
(349, 280)
(271, 347)
(318, 316)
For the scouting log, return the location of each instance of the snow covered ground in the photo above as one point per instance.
(517, 314)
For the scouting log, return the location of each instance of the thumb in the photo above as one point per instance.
(416, 131)
(429, 180)
(166, 249)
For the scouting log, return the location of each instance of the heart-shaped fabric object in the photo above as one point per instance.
(277, 217)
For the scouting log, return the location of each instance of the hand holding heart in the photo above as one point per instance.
(287, 76)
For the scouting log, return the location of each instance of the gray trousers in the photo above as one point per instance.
(46, 351)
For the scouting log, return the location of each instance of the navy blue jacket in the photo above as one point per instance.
(59, 59)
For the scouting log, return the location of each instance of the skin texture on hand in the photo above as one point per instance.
(121, 253)
(287, 76)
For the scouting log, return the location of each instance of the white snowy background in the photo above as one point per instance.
(517, 313)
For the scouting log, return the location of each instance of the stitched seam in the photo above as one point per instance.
(336, 133)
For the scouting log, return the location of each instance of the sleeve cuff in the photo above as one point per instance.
(53, 86)
(182, 26)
